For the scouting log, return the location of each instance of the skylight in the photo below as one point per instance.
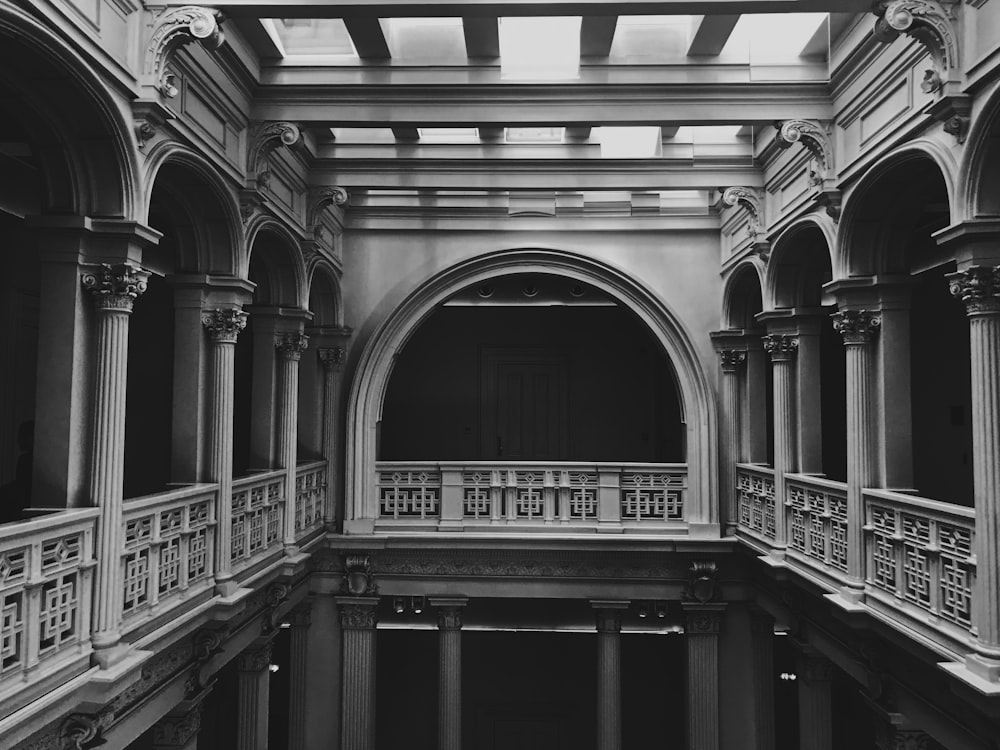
(628, 142)
(773, 37)
(535, 135)
(540, 48)
(448, 135)
(313, 36)
(425, 38)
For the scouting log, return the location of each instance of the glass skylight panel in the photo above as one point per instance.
(773, 37)
(363, 135)
(425, 38)
(651, 37)
(535, 135)
(448, 135)
(540, 48)
(314, 36)
(628, 142)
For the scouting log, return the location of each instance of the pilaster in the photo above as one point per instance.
(608, 615)
(815, 675)
(290, 347)
(357, 622)
(762, 639)
(703, 621)
(733, 362)
(782, 349)
(254, 694)
(301, 620)
(449, 672)
(331, 359)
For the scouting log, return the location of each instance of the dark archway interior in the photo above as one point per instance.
(745, 303)
(540, 369)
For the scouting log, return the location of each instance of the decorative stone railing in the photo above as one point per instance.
(169, 550)
(258, 504)
(816, 519)
(919, 552)
(458, 495)
(310, 497)
(46, 589)
(755, 500)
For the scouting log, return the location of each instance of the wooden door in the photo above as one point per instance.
(524, 405)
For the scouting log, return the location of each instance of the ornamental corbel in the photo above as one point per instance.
(814, 137)
(751, 200)
(173, 29)
(319, 199)
(265, 137)
(251, 204)
(702, 586)
(359, 576)
(85, 731)
(932, 24)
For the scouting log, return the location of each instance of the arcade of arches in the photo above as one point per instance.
(531, 375)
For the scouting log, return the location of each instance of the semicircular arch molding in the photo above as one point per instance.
(325, 297)
(782, 287)
(270, 243)
(87, 120)
(374, 367)
(979, 171)
(746, 275)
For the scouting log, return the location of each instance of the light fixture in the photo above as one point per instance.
(417, 603)
(661, 610)
(644, 610)
(272, 668)
(285, 625)
(397, 604)
(788, 676)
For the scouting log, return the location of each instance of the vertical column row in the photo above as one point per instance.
(357, 622)
(782, 349)
(300, 620)
(449, 673)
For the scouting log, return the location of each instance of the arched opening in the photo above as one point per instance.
(799, 267)
(892, 221)
(532, 367)
(323, 331)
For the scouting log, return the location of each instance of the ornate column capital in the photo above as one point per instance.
(858, 327)
(815, 667)
(780, 346)
(358, 613)
(331, 357)
(224, 325)
(703, 619)
(114, 287)
(255, 658)
(301, 616)
(978, 287)
(291, 345)
(178, 727)
(174, 28)
(732, 359)
(449, 618)
(608, 620)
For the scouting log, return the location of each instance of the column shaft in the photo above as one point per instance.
(331, 357)
(702, 637)
(730, 434)
(450, 679)
(301, 620)
(254, 695)
(290, 347)
(357, 619)
(782, 350)
(815, 703)
(762, 634)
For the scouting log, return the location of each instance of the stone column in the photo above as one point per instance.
(782, 349)
(815, 674)
(730, 434)
(979, 288)
(223, 327)
(858, 327)
(609, 673)
(701, 631)
(449, 673)
(290, 347)
(178, 730)
(332, 358)
(357, 622)
(301, 619)
(762, 639)
(254, 693)
(114, 289)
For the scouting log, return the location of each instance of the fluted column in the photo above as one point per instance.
(979, 288)
(357, 622)
(223, 327)
(254, 694)
(331, 357)
(301, 619)
(730, 435)
(815, 675)
(609, 674)
(782, 349)
(290, 347)
(450, 676)
(858, 327)
(701, 632)
(178, 730)
(114, 289)
(762, 640)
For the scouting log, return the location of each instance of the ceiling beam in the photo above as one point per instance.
(369, 41)
(579, 133)
(710, 34)
(596, 35)
(482, 36)
(406, 134)
(496, 8)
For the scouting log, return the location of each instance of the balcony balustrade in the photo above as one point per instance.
(529, 495)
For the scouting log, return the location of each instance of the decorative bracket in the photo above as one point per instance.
(812, 135)
(932, 24)
(750, 199)
(702, 583)
(319, 199)
(84, 731)
(171, 30)
(265, 137)
(359, 577)
(251, 204)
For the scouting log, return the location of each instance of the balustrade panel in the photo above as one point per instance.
(310, 497)
(755, 500)
(816, 512)
(258, 504)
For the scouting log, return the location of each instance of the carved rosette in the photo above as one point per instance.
(930, 23)
(812, 135)
(357, 616)
(450, 618)
(80, 731)
(115, 288)
(265, 137)
(255, 659)
(702, 623)
(780, 346)
(732, 359)
(173, 29)
(291, 345)
(979, 288)
(609, 620)
(331, 357)
(224, 325)
(858, 327)
(750, 199)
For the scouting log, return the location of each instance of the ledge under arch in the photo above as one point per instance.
(374, 367)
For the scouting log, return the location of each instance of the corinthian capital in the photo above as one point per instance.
(732, 359)
(255, 659)
(174, 28)
(114, 287)
(332, 357)
(978, 287)
(224, 325)
(780, 346)
(858, 327)
(291, 345)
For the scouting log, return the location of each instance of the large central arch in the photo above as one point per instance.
(374, 368)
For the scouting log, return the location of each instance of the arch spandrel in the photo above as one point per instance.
(371, 374)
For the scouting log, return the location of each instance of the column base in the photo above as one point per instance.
(108, 657)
